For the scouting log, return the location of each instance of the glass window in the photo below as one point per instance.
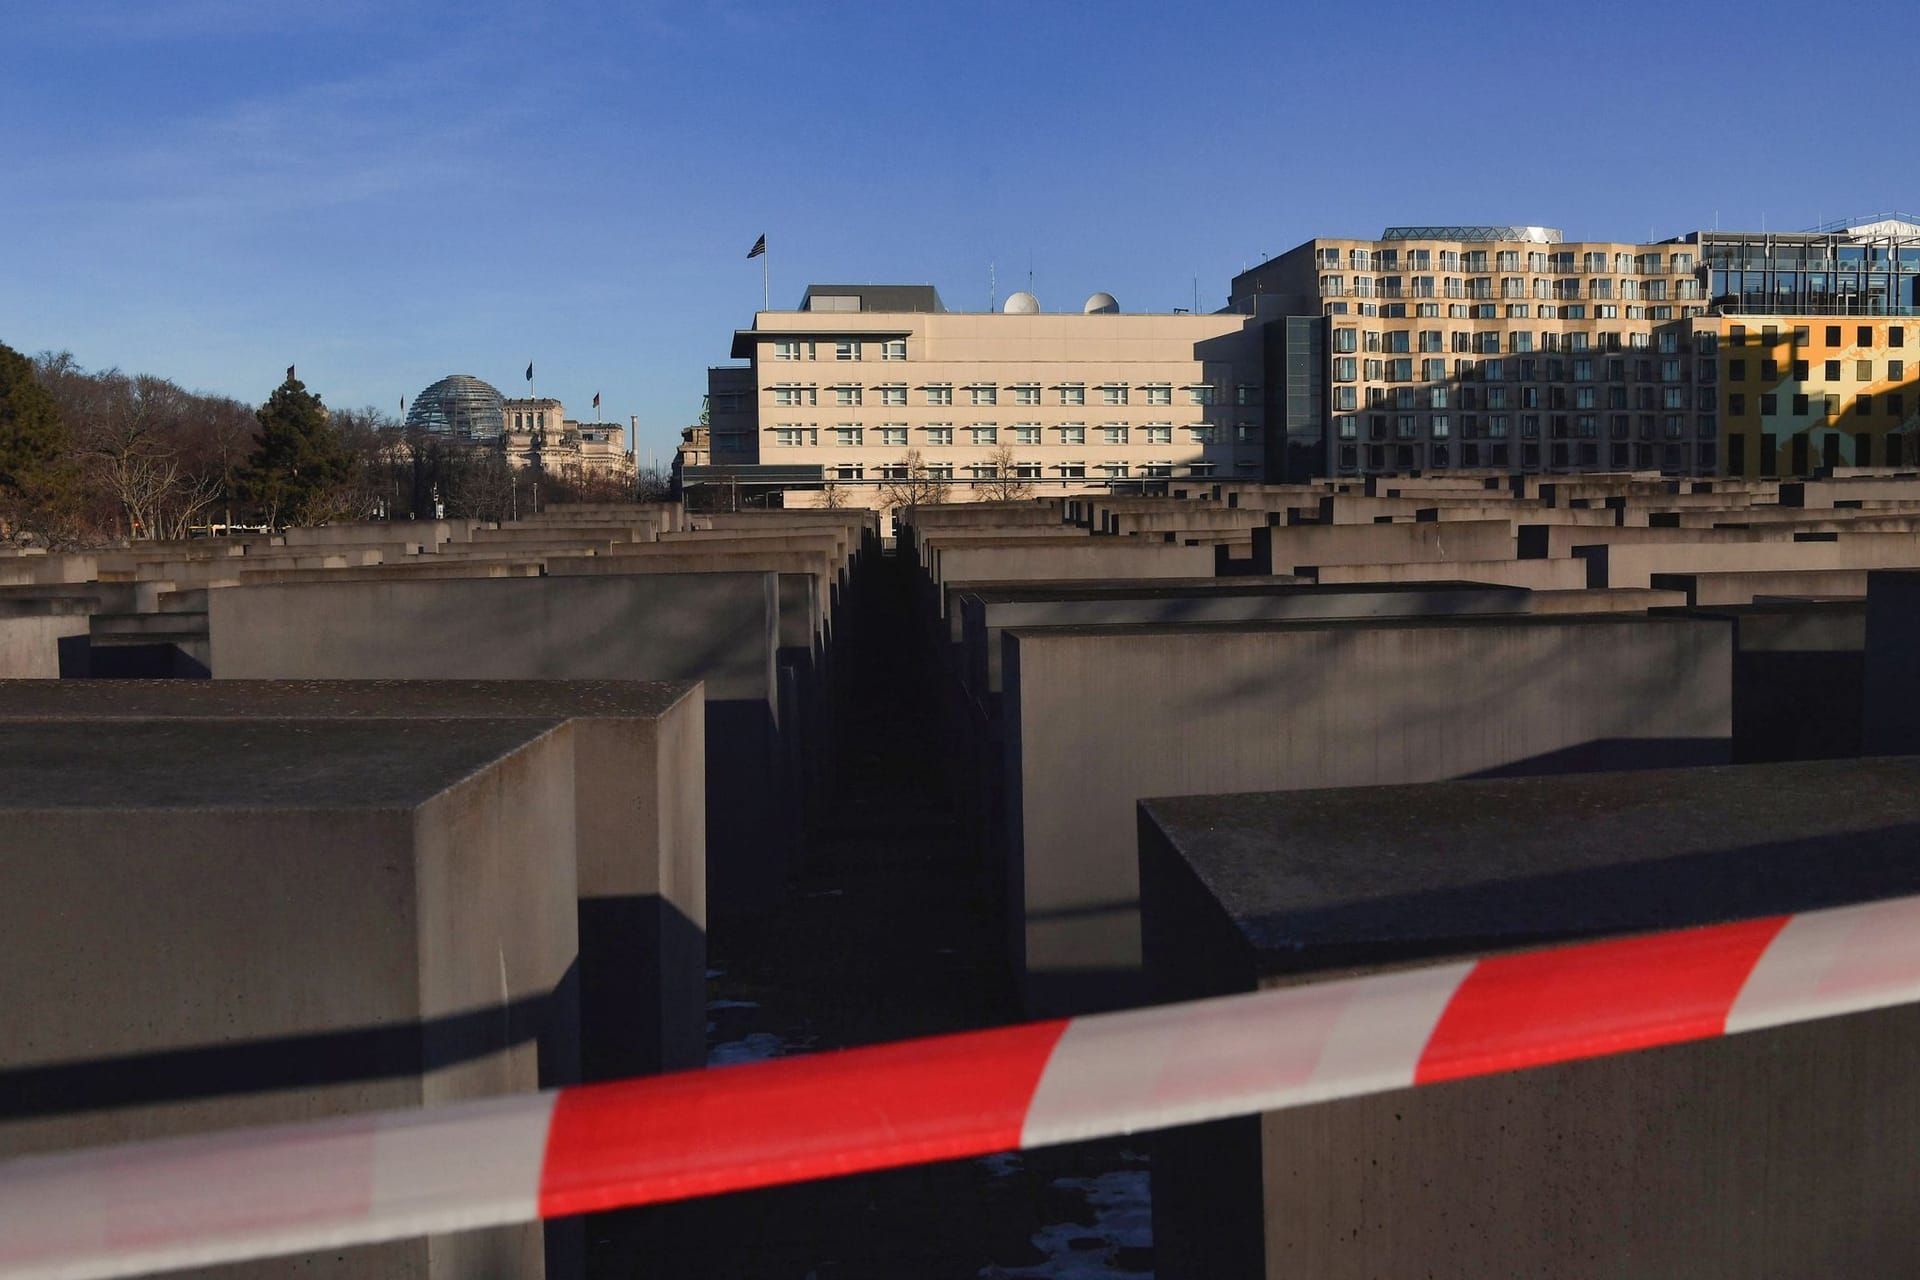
(1158, 433)
(845, 396)
(985, 435)
(1073, 435)
(1028, 394)
(893, 437)
(895, 396)
(1113, 433)
(985, 393)
(1073, 393)
(847, 436)
(940, 395)
(940, 435)
(846, 351)
(1026, 433)
(1113, 393)
(894, 349)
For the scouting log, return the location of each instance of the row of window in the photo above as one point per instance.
(1356, 369)
(1497, 426)
(1864, 335)
(1512, 288)
(1491, 341)
(800, 436)
(1345, 399)
(1644, 457)
(1891, 405)
(1833, 370)
(845, 472)
(1556, 262)
(806, 349)
(984, 394)
(1515, 310)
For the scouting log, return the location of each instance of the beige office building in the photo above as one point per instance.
(1487, 347)
(862, 381)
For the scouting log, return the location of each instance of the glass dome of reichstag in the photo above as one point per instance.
(459, 405)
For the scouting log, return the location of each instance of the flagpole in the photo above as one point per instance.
(765, 277)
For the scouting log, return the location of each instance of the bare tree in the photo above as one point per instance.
(833, 497)
(1006, 484)
(910, 483)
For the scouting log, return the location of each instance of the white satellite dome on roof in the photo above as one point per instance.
(1021, 304)
(1101, 304)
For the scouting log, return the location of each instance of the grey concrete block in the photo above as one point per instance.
(213, 924)
(1098, 717)
(721, 629)
(639, 824)
(1781, 1153)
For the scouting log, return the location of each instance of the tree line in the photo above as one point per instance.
(103, 457)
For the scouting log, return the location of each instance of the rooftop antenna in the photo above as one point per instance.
(1029, 271)
(993, 290)
(1196, 295)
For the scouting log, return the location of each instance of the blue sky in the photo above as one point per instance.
(385, 191)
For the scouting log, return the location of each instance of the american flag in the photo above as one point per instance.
(759, 247)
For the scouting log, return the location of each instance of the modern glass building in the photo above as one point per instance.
(1866, 269)
(459, 405)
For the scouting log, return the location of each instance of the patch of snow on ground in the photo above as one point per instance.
(1003, 1165)
(757, 1046)
(1122, 1219)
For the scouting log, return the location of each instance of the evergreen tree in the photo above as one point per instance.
(35, 450)
(301, 469)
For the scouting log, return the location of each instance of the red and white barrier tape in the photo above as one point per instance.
(253, 1193)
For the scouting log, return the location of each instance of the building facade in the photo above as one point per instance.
(539, 429)
(1497, 348)
(876, 385)
(1806, 392)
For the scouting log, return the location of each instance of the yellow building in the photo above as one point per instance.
(1800, 393)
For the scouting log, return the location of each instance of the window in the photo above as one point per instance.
(894, 437)
(894, 349)
(1896, 335)
(1073, 435)
(1200, 468)
(939, 471)
(1736, 404)
(1347, 428)
(848, 471)
(846, 396)
(1736, 370)
(1832, 371)
(1400, 370)
(847, 436)
(1863, 405)
(1345, 339)
(1113, 393)
(1863, 336)
(1073, 471)
(846, 351)
(984, 435)
(1345, 398)
(1113, 433)
(1114, 470)
(1246, 394)
(1833, 335)
(1027, 470)
(795, 437)
(793, 395)
(1156, 470)
(1439, 426)
(1433, 370)
(1406, 426)
(940, 394)
(1027, 393)
(1769, 370)
(1863, 370)
(1159, 392)
(792, 349)
(1201, 435)
(1073, 393)
(981, 471)
(1896, 370)
(1026, 433)
(985, 393)
(893, 471)
(1343, 369)
(1896, 405)
(940, 435)
(894, 396)
(1157, 433)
